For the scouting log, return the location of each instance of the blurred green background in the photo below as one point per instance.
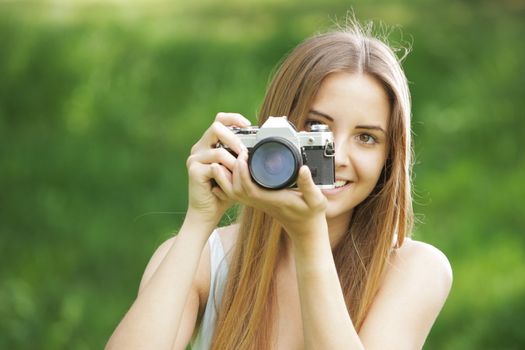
(100, 102)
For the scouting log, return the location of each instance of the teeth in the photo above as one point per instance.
(340, 183)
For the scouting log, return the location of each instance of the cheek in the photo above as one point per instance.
(369, 166)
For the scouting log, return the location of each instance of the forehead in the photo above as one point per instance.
(353, 98)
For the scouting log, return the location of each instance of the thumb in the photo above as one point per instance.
(307, 186)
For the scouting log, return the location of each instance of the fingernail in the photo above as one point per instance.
(305, 171)
(247, 122)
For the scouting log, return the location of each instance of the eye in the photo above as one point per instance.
(366, 139)
(309, 122)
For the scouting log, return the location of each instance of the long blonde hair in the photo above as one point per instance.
(248, 305)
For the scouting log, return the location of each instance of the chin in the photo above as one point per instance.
(341, 207)
(334, 211)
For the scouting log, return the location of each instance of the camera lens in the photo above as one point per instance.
(274, 163)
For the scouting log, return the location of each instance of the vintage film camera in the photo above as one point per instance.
(277, 151)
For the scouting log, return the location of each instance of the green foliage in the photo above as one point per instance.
(100, 104)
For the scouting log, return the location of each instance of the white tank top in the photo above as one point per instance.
(218, 276)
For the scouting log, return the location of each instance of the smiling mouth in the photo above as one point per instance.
(341, 183)
(339, 186)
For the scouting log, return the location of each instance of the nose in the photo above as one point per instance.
(342, 156)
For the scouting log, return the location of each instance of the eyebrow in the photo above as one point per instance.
(313, 111)
(371, 127)
(367, 127)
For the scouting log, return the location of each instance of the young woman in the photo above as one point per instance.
(302, 268)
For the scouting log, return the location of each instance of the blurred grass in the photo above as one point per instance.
(101, 101)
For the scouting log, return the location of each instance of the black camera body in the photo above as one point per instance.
(277, 151)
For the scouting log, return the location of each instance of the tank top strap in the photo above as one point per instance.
(218, 276)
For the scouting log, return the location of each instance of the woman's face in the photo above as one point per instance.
(357, 110)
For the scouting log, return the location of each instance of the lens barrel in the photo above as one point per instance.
(274, 163)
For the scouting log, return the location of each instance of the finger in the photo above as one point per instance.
(200, 172)
(219, 193)
(311, 193)
(236, 178)
(215, 155)
(245, 179)
(223, 178)
(243, 186)
(219, 132)
(232, 119)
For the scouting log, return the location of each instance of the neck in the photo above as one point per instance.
(338, 227)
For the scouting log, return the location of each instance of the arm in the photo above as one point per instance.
(156, 314)
(416, 285)
(159, 314)
(326, 322)
(302, 214)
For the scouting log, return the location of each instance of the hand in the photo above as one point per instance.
(207, 201)
(300, 211)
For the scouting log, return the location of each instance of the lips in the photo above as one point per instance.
(340, 186)
(340, 183)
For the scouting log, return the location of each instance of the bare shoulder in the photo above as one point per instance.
(201, 282)
(422, 271)
(418, 262)
(416, 284)
(155, 261)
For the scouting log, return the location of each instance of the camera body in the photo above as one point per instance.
(277, 151)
